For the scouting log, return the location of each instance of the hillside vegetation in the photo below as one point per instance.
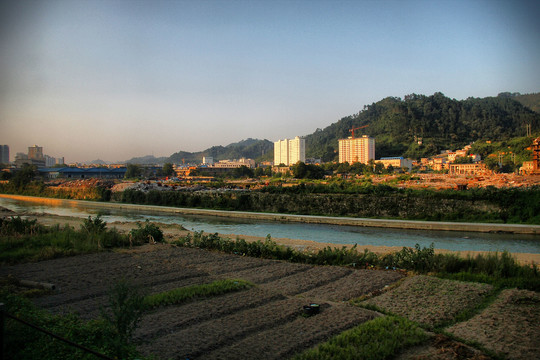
(532, 101)
(419, 125)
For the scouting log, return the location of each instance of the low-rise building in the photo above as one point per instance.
(80, 173)
(398, 162)
(468, 169)
(231, 164)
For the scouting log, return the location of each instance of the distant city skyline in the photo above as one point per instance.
(113, 80)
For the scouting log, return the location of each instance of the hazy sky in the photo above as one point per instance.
(89, 79)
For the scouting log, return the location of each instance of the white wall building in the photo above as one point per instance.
(360, 150)
(396, 162)
(209, 160)
(289, 152)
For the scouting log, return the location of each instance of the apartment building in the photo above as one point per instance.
(354, 150)
(289, 152)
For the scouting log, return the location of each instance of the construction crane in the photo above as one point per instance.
(356, 128)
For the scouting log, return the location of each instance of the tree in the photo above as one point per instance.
(492, 163)
(5, 175)
(299, 170)
(24, 176)
(242, 171)
(168, 169)
(133, 171)
(463, 160)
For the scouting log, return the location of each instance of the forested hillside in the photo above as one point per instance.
(420, 125)
(532, 101)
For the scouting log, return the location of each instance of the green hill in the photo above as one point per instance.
(532, 101)
(420, 125)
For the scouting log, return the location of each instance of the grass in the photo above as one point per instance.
(377, 339)
(180, 295)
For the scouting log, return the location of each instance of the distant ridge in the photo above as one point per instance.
(249, 148)
(532, 101)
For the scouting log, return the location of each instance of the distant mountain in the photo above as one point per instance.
(249, 148)
(532, 101)
(97, 162)
(421, 125)
(147, 160)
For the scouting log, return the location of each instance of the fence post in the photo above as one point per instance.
(1, 331)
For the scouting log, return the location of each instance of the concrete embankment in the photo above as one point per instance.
(364, 222)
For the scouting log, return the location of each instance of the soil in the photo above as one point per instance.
(266, 321)
(510, 326)
(431, 301)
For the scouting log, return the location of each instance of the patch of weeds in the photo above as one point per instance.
(126, 308)
(180, 295)
(377, 339)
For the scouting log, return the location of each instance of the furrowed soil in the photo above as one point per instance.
(265, 321)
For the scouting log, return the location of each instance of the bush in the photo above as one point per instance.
(148, 232)
(23, 342)
(94, 226)
(126, 310)
(18, 226)
(417, 259)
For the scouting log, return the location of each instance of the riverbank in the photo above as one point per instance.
(173, 232)
(310, 219)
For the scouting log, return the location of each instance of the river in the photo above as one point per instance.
(335, 234)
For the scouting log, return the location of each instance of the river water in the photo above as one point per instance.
(336, 234)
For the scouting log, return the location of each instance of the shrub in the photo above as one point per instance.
(417, 259)
(18, 226)
(146, 233)
(125, 312)
(94, 226)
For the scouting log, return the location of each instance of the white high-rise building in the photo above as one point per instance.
(289, 152)
(357, 150)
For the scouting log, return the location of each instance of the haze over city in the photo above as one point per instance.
(112, 80)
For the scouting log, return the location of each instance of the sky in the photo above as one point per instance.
(116, 79)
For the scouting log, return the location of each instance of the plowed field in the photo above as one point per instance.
(263, 322)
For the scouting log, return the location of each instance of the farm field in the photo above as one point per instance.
(265, 321)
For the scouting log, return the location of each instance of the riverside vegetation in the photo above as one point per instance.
(351, 198)
(361, 200)
(111, 333)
